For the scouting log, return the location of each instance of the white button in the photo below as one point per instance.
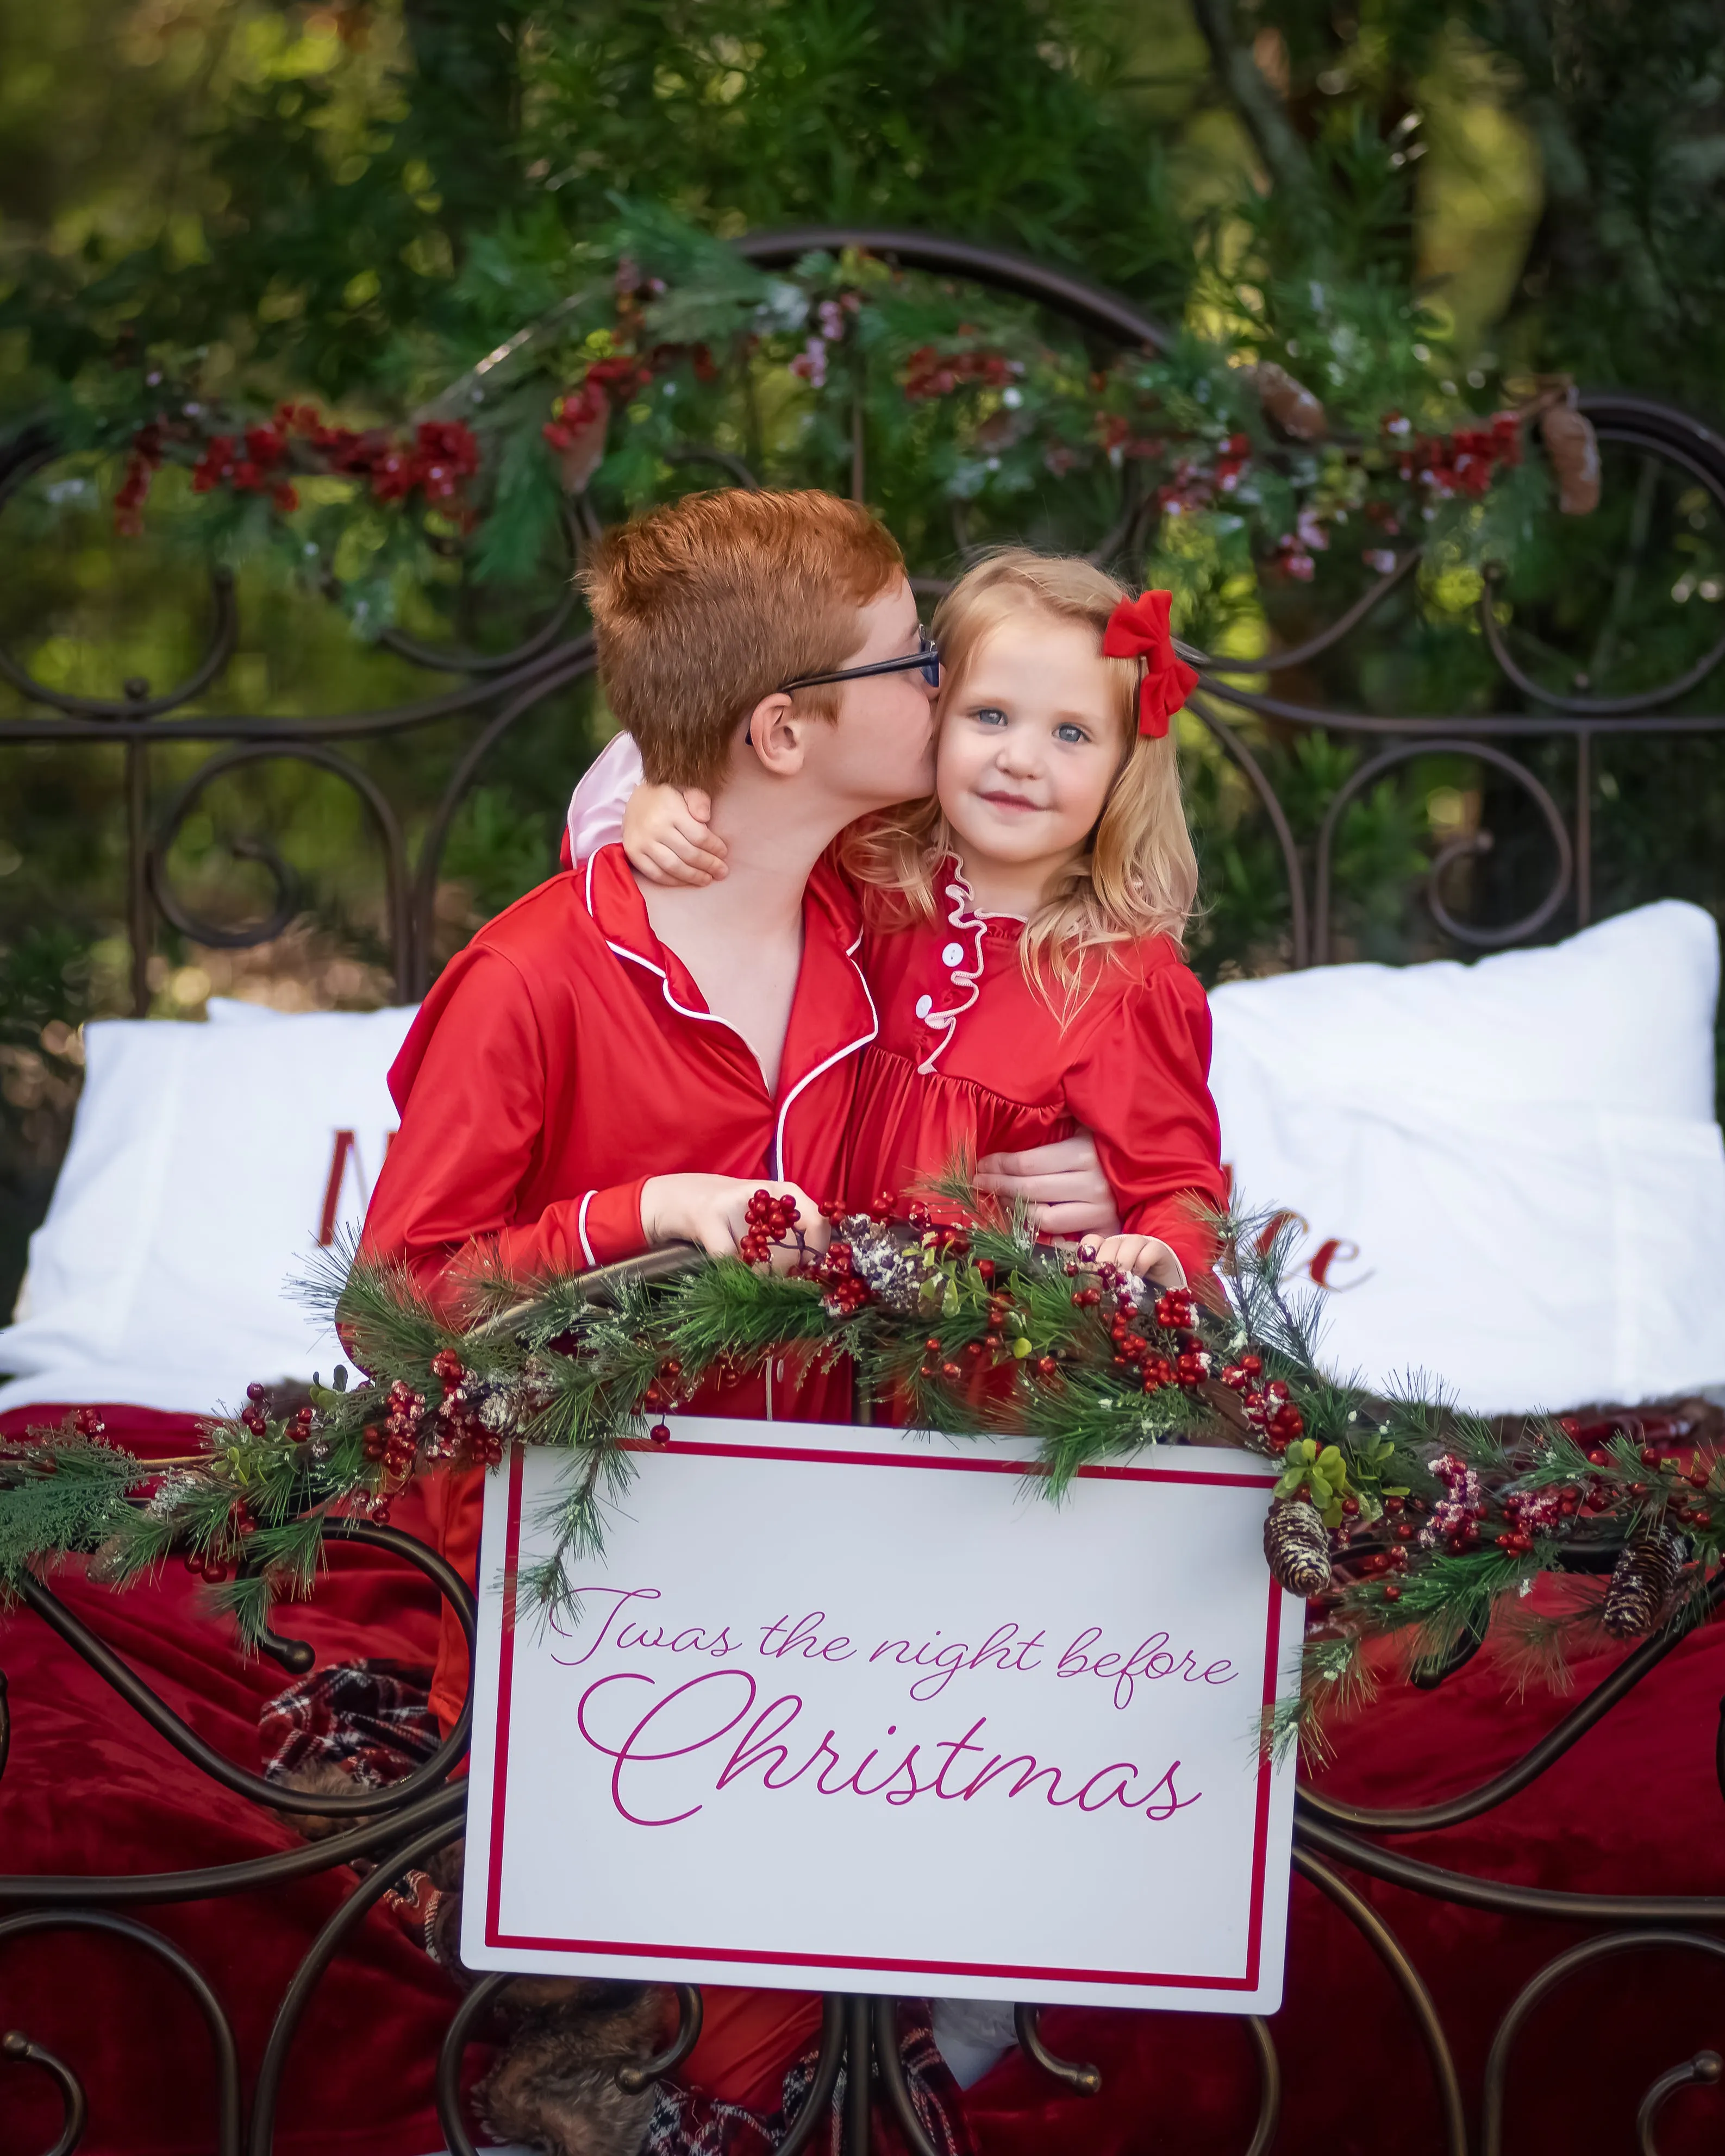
(953, 955)
(924, 1005)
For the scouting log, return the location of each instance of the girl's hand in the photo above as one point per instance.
(709, 1210)
(666, 837)
(1146, 1256)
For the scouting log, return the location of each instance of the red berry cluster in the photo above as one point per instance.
(1535, 1513)
(252, 1414)
(442, 453)
(1650, 1431)
(143, 460)
(1670, 1477)
(220, 1562)
(1455, 1516)
(999, 1308)
(1192, 484)
(88, 1422)
(1173, 1312)
(769, 1220)
(947, 1239)
(991, 1351)
(1386, 1561)
(934, 1363)
(844, 1291)
(395, 1440)
(573, 413)
(1131, 1350)
(1176, 1311)
(1267, 1406)
(1686, 1510)
(931, 372)
(1463, 462)
(666, 1389)
(589, 403)
(462, 1433)
(1283, 1421)
(249, 464)
(438, 456)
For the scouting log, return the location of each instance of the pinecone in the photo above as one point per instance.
(1297, 1544)
(1289, 403)
(1573, 449)
(893, 1268)
(1642, 1584)
(503, 1409)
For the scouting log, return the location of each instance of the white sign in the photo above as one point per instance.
(859, 1710)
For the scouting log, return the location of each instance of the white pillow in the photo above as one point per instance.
(1621, 1016)
(1534, 1255)
(1505, 1176)
(205, 1164)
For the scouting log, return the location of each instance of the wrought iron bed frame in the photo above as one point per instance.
(403, 1825)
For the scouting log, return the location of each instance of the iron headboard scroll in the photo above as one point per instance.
(490, 694)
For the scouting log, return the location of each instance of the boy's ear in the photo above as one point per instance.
(776, 735)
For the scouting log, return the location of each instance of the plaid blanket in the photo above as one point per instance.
(371, 1719)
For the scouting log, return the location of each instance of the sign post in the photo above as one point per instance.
(857, 1710)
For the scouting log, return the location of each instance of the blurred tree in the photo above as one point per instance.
(307, 184)
(1617, 182)
(343, 163)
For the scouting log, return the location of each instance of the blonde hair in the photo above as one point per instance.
(1138, 876)
(702, 607)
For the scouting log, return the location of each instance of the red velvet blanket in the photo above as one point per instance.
(1635, 1808)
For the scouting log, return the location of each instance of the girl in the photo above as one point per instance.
(1021, 937)
(1022, 925)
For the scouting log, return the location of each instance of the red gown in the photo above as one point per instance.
(969, 1060)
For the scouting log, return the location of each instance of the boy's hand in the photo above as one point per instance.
(708, 1210)
(1063, 1183)
(1146, 1256)
(666, 837)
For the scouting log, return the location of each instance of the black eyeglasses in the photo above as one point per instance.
(925, 659)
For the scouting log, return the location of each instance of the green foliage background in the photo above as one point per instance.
(339, 199)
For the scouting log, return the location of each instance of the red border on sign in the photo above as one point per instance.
(652, 1950)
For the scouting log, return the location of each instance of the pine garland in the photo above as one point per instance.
(1396, 1517)
(665, 336)
(66, 1494)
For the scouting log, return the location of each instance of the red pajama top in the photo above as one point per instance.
(969, 1060)
(562, 1058)
(566, 1054)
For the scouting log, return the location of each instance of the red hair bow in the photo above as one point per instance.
(1138, 629)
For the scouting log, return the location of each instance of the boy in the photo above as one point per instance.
(604, 1067)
